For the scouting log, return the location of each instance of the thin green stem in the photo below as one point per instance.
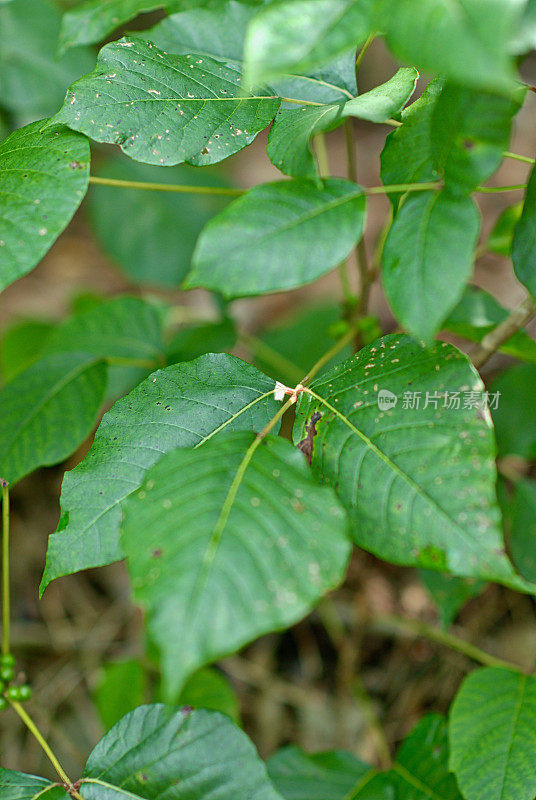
(270, 356)
(403, 187)
(121, 361)
(361, 252)
(363, 51)
(34, 730)
(492, 189)
(6, 612)
(400, 625)
(167, 187)
(517, 157)
(300, 102)
(331, 353)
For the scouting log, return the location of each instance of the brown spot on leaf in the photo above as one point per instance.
(157, 552)
(306, 445)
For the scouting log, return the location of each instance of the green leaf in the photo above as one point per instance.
(153, 249)
(208, 688)
(93, 20)
(21, 345)
(421, 771)
(428, 258)
(522, 537)
(219, 32)
(477, 314)
(516, 401)
(468, 41)
(261, 243)
(166, 109)
(120, 689)
(331, 775)
(524, 244)
(32, 80)
(493, 736)
(265, 520)
(44, 176)
(180, 406)
(500, 239)
(194, 755)
(470, 131)
(450, 594)
(407, 155)
(47, 411)
(17, 786)
(403, 472)
(295, 36)
(289, 140)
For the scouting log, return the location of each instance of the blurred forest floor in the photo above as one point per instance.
(327, 681)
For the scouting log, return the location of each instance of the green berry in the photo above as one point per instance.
(13, 692)
(7, 660)
(7, 674)
(3, 703)
(25, 692)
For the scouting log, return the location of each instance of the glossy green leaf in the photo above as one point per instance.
(166, 109)
(265, 520)
(32, 80)
(290, 36)
(121, 689)
(477, 314)
(407, 155)
(500, 239)
(470, 131)
(289, 140)
(191, 755)
(152, 249)
(418, 482)
(516, 401)
(47, 411)
(493, 735)
(208, 688)
(43, 178)
(524, 243)
(17, 786)
(180, 406)
(331, 775)
(261, 243)
(449, 593)
(22, 344)
(522, 538)
(219, 31)
(467, 40)
(428, 258)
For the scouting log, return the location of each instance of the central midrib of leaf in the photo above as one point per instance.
(400, 472)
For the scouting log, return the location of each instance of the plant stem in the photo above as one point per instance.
(492, 189)
(389, 623)
(167, 187)
(34, 730)
(6, 613)
(363, 51)
(266, 353)
(516, 320)
(403, 187)
(300, 102)
(517, 157)
(337, 347)
(361, 252)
